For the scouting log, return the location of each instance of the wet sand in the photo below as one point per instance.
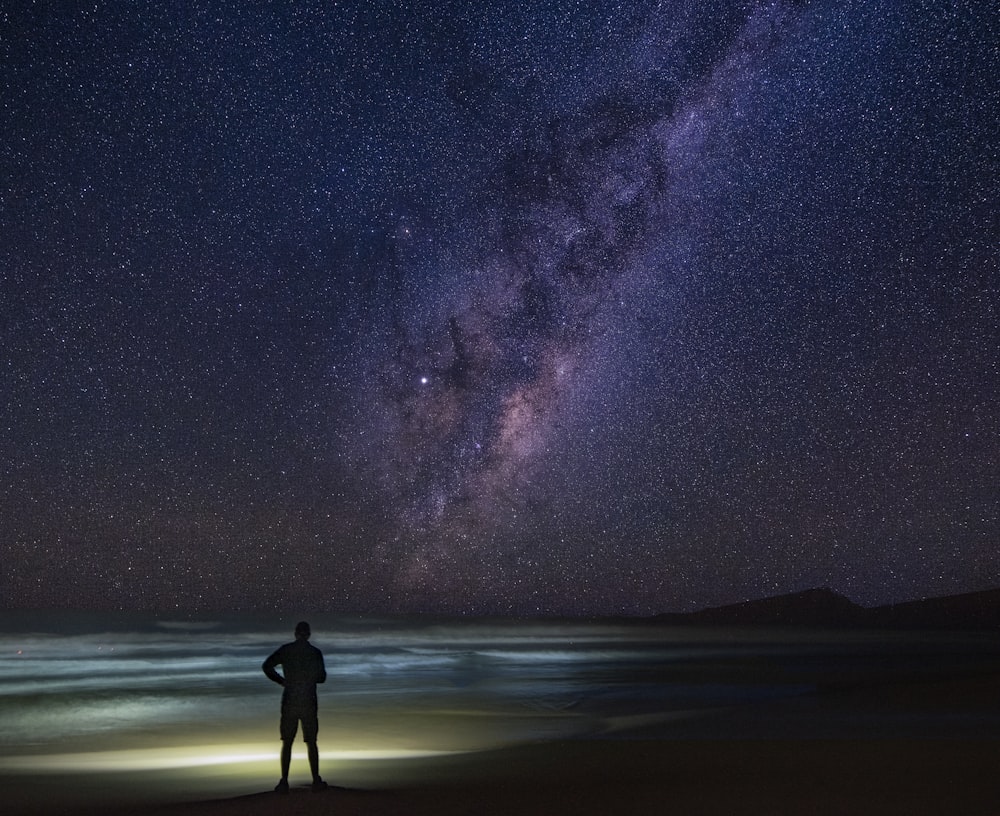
(683, 777)
(920, 743)
(957, 771)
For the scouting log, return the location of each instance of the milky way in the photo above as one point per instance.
(646, 306)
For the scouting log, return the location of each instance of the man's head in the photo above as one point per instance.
(302, 630)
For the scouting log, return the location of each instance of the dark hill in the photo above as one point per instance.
(824, 607)
(814, 607)
(971, 610)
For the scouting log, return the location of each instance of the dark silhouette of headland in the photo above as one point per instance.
(825, 608)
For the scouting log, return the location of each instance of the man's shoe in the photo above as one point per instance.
(319, 785)
(281, 787)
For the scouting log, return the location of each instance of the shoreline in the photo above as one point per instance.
(906, 726)
(686, 777)
(636, 776)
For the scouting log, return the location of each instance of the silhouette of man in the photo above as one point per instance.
(302, 668)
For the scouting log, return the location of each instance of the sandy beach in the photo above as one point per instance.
(954, 773)
(539, 719)
(654, 777)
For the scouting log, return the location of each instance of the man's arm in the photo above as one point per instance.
(321, 677)
(268, 667)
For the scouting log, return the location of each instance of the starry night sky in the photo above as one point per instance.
(549, 307)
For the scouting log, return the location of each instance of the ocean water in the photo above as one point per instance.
(115, 707)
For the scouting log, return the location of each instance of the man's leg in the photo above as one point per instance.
(310, 728)
(289, 727)
(286, 758)
(313, 750)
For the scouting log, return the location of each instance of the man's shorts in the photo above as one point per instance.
(292, 711)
